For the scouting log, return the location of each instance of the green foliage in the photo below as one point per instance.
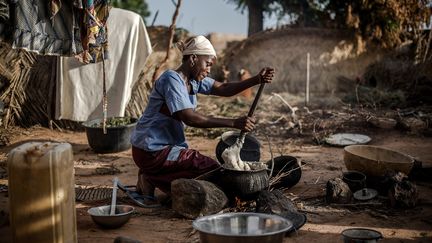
(386, 22)
(242, 4)
(138, 6)
(115, 122)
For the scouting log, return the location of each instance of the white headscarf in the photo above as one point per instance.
(198, 45)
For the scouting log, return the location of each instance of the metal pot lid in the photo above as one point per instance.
(297, 219)
(365, 194)
(345, 139)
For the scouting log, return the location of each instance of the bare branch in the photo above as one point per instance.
(171, 38)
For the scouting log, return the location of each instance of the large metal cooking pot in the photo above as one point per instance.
(244, 184)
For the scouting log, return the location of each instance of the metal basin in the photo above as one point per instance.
(242, 227)
(101, 215)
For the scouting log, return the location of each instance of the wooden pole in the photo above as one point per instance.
(307, 79)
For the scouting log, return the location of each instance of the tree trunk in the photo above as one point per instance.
(256, 17)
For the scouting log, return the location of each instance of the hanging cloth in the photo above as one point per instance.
(93, 16)
(79, 86)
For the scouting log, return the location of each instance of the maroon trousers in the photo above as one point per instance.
(160, 172)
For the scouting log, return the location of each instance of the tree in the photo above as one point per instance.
(256, 10)
(138, 6)
(302, 13)
(386, 22)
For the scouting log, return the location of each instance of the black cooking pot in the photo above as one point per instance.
(355, 180)
(115, 140)
(288, 165)
(249, 152)
(244, 184)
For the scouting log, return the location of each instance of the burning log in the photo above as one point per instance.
(274, 202)
(192, 198)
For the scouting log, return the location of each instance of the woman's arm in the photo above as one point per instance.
(195, 119)
(231, 88)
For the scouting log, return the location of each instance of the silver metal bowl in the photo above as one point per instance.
(242, 227)
(101, 215)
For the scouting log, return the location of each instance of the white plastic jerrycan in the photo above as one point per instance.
(41, 193)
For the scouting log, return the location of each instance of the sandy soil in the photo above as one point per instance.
(321, 163)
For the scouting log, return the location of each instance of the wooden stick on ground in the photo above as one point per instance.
(293, 109)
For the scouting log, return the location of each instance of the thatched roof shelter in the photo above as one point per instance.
(27, 84)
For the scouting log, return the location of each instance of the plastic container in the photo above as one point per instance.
(41, 193)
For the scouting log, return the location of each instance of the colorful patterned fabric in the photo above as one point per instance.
(94, 29)
(4, 10)
(68, 28)
(4, 20)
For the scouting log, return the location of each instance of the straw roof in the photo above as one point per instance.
(27, 84)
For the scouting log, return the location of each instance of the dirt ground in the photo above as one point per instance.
(320, 163)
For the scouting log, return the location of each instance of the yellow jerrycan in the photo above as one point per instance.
(41, 193)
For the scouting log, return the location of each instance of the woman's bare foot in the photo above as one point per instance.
(144, 187)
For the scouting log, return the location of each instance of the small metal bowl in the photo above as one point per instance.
(361, 235)
(242, 227)
(101, 215)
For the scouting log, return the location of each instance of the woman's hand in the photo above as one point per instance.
(266, 75)
(245, 123)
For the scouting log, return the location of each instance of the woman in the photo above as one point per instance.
(159, 146)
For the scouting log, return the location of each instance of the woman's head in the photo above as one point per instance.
(198, 56)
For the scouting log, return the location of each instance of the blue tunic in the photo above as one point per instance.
(155, 130)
